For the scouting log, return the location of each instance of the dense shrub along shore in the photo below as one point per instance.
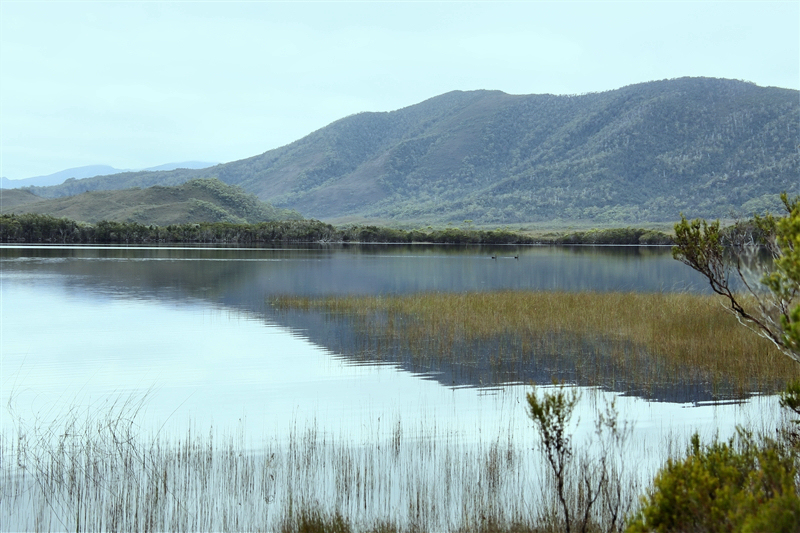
(33, 228)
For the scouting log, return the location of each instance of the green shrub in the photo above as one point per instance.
(738, 486)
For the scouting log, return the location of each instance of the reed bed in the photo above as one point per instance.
(637, 342)
(103, 472)
(99, 472)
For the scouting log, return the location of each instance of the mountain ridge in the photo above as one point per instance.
(645, 152)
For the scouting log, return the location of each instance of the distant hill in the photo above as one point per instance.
(59, 177)
(200, 200)
(182, 164)
(13, 198)
(89, 171)
(643, 153)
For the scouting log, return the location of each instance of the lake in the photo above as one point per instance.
(191, 330)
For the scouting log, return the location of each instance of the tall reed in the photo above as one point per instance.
(100, 471)
(636, 342)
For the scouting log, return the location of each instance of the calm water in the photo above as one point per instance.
(190, 328)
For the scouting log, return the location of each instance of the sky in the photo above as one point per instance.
(138, 84)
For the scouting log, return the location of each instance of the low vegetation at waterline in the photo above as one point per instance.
(633, 342)
(35, 228)
(101, 471)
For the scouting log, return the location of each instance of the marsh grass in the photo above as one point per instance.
(99, 470)
(636, 342)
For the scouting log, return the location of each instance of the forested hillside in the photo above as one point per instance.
(704, 147)
(200, 200)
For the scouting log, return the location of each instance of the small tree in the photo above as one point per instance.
(589, 488)
(769, 303)
(743, 485)
(551, 415)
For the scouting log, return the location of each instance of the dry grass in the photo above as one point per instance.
(636, 341)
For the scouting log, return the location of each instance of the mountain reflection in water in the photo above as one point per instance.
(245, 279)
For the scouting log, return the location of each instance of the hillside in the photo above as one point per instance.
(11, 199)
(643, 153)
(200, 200)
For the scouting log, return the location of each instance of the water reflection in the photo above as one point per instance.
(244, 279)
(232, 274)
(586, 360)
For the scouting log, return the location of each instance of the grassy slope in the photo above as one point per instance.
(12, 200)
(193, 201)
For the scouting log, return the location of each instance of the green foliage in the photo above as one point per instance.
(790, 401)
(775, 313)
(784, 281)
(551, 415)
(699, 245)
(790, 397)
(738, 486)
(40, 228)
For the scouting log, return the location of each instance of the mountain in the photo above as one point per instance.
(200, 200)
(182, 164)
(647, 152)
(90, 171)
(59, 177)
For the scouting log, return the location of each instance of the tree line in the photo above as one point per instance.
(34, 228)
(30, 228)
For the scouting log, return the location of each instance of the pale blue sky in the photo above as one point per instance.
(137, 84)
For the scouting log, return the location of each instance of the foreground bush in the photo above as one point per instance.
(734, 486)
